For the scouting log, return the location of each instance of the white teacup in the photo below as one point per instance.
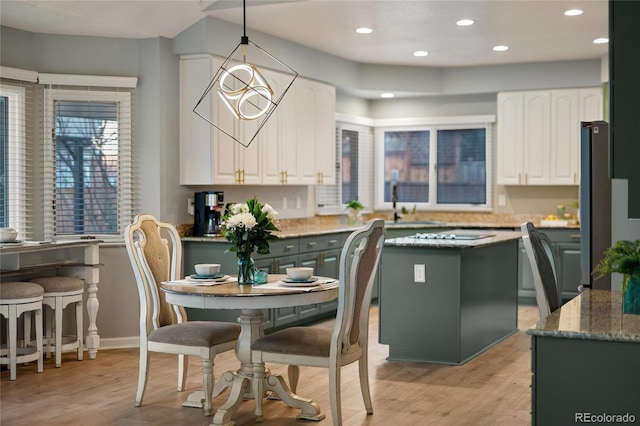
(207, 269)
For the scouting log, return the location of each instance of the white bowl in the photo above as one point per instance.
(8, 235)
(207, 269)
(299, 273)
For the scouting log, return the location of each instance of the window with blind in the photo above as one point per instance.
(88, 172)
(16, 149)
(354, 169)
(435, 167)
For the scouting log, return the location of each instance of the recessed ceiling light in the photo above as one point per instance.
(500, 48)
(601, 40)
(573, 12)
(464, 22)
(364, 30)
(420, 53)
(387, 95)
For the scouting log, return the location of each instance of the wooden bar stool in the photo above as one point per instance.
(60, 291)
(17, 298)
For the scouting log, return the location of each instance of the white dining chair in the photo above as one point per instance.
(155, 252)
(543, 266)
(347, 342)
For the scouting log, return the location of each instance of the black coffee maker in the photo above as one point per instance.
(208, 213)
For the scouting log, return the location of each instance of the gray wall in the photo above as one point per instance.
(155, 62)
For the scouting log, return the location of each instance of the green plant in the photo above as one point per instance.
(355, 204)
(624, 258)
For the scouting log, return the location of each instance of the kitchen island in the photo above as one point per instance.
(447, 297)
(586, 363)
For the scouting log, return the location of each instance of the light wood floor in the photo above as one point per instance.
(492, 389)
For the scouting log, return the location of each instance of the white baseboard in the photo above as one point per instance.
(119, 343)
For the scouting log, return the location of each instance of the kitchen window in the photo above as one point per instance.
(435, 167)
(16, 142)
(354, 167)
(88, 162)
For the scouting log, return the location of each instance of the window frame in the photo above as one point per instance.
(433, 125)
(125, 160)
(16, 158)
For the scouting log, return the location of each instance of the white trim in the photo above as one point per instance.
(88, 80)
(16, 153)
(435, 121)
(353, 119)
(18, 74)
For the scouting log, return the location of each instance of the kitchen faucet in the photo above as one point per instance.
(394, 199)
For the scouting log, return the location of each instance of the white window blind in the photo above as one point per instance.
(17, 139)
(354, 168)
(88, 173)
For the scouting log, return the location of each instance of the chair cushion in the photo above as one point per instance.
(59, 284)
(196, 333)
(19, 290)
(296, 341)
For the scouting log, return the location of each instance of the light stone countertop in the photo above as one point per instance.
(489, 237)
(593, 315)
(321, 225)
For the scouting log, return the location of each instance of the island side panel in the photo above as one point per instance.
(420, 321)
(580, 377)
(488, 296)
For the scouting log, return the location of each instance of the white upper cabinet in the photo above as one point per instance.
(539, 135)
(565, 134)
(510, 154)
(284, 151)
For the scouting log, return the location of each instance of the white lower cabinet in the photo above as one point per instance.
(539, 135)
(285, 151)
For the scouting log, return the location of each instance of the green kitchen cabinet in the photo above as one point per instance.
(566, 245)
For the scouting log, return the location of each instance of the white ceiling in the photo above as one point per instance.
(535, 30)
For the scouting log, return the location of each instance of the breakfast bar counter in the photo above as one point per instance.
(77, 258)
(586, 362)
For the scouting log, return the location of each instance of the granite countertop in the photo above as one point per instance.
(489, 237)
(320, 225)
(594, 315)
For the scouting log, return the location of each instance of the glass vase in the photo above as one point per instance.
(631, 296)
(246, 269)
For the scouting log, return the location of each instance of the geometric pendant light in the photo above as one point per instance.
(242, 96)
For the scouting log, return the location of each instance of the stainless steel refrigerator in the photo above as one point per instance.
(595, 201)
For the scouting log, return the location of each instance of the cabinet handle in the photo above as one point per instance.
(575, 175)
(311, 244)
(574, 236)
(237, 175)
(332, 242)
(320, 177)
(242, 176)
(291, 247)
(321, 259)
(286, 176)
(276, 266)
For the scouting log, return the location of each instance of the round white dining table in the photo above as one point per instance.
(250, 300)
